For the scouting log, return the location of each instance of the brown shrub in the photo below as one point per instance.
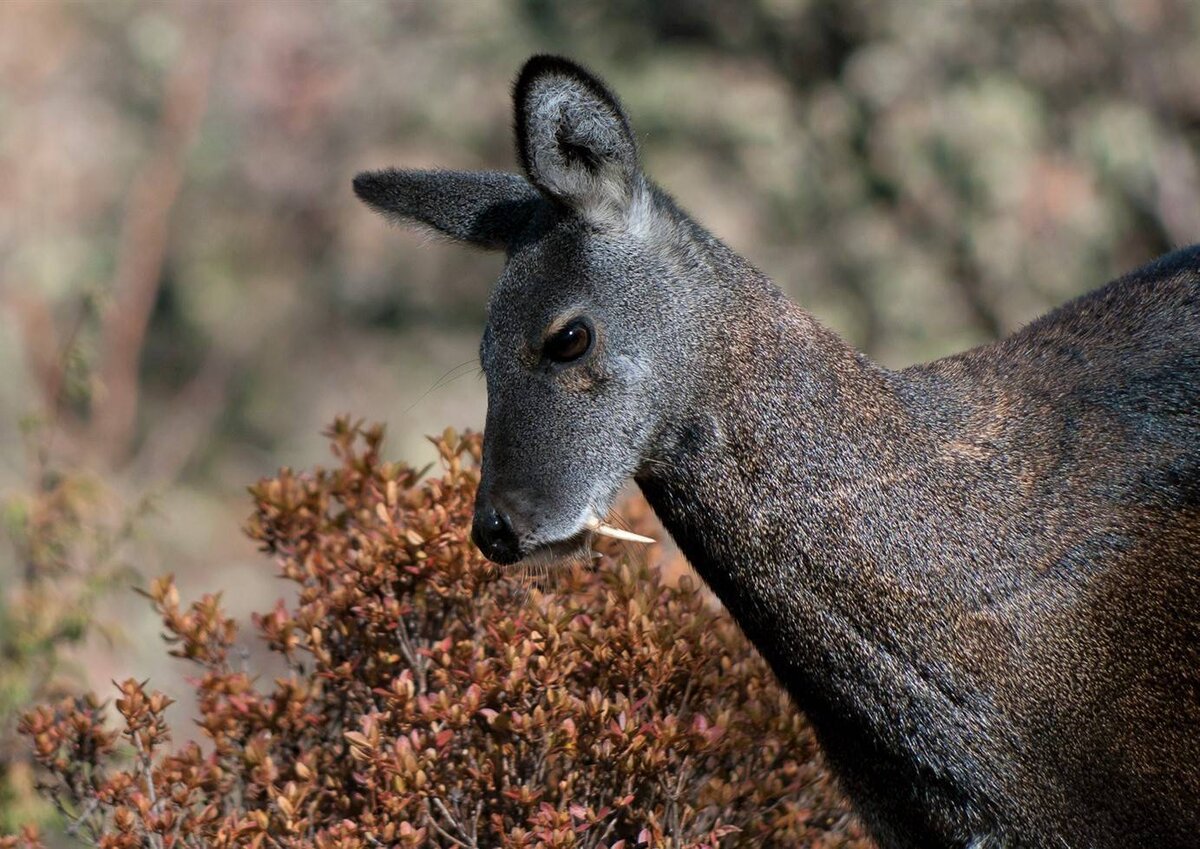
(434, 703)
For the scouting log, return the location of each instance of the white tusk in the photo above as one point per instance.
(596, 526)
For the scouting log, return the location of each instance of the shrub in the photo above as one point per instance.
(66, 533)
(432, 702)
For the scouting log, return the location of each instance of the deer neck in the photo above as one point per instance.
(783, 485)
(767, 473)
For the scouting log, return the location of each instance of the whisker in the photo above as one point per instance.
(444, 380)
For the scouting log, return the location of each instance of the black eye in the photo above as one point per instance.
(570, 343)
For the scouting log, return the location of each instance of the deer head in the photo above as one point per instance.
(592, 336)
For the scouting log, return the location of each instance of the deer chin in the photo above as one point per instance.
(575, 549)
(549, 556)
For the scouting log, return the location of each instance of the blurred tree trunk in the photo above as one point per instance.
(144, 239)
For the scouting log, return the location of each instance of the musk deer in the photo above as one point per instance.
(979, 577)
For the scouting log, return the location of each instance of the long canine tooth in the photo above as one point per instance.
(618, 533)
(598, 527)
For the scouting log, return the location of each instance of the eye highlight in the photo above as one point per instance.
(569, 343)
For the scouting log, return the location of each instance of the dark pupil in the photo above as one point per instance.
(569, 343)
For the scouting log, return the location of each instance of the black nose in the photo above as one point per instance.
(494, 535)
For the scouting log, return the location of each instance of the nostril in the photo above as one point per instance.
(494, 535)
(494, 524)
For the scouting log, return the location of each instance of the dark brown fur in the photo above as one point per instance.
(987, 597)
(980, 578)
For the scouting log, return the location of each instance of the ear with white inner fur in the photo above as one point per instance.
(483, 208)
(574, 140)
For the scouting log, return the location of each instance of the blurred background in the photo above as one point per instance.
(189, 291)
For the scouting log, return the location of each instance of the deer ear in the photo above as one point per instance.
(574, 140)
(484, 208)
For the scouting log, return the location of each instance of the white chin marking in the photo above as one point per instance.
(575, 549)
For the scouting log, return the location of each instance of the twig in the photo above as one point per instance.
(414, 658)
(77, 821)
(147, 769)
(433, 822)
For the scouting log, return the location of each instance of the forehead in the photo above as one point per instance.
(543, 276)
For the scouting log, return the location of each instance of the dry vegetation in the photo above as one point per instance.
(68, 534)
(188, 284)
(430, 702)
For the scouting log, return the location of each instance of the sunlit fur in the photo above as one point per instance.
(978, 577)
